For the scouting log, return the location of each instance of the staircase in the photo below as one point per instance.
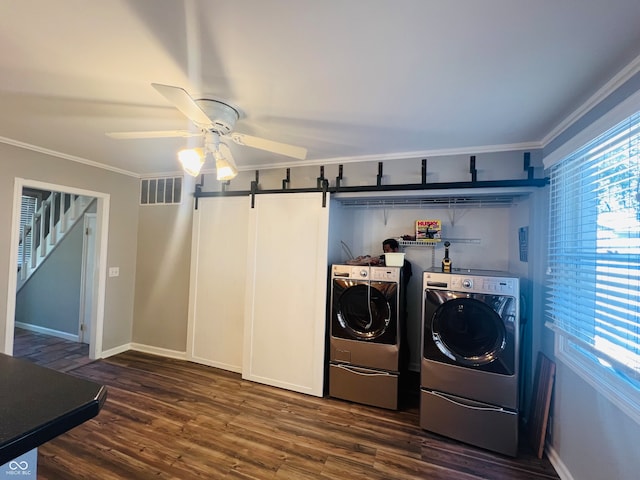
(55, 217)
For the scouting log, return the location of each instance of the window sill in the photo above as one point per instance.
(618, 392)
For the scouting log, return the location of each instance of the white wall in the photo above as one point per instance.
(488, 226)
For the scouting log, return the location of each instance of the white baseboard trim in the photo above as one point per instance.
(163, 352)
(47, 331)
(220, 365)
(115, 351)
(556, 461)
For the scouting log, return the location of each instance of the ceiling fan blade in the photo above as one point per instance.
(269, 145)
(154, 134)
(183, 102)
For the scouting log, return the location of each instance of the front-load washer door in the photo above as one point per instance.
(364, 311)
(470, 330)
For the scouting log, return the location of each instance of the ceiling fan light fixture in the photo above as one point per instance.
(222, 117)
(215, 120)
(225, 166)
(191, 160)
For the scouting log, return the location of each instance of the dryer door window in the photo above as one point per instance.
(363, 312)
(468, 331)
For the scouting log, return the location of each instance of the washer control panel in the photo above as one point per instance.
(475, 284)
(351, 271)
(365, 272)
(385, 274)
(499, 285)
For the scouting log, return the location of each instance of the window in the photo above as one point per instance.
(28, 209)
(594, 262)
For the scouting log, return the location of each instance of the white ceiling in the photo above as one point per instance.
(347, 79)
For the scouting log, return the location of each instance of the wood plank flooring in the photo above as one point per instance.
(172, 419)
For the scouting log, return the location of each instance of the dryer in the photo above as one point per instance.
(365, 334)
(469, 372)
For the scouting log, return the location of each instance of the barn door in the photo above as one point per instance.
(286, 292)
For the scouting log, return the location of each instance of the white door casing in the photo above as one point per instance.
(102, 236)
(87, 277)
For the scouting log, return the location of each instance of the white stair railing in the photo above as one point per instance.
(49, 225)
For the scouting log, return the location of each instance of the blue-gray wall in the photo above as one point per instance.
(51, 297)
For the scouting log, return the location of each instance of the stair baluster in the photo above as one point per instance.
(48, 226)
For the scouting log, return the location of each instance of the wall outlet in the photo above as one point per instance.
(114, 271)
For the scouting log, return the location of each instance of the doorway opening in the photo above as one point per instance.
(92, 295)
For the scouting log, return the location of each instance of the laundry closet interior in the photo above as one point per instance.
(264, 247)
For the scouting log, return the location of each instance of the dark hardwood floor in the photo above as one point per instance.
(172, 419)
(52, 352)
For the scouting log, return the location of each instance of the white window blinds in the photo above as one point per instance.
(594, 249)
(27, 211)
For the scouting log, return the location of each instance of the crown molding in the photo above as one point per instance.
(611, 86)
(73, 158)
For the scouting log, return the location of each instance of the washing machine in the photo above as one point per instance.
(365, 334)
(469, 372)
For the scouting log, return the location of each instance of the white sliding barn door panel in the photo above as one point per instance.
(218, 279)
(284, 337)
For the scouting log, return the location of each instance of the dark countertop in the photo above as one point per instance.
(38, 404)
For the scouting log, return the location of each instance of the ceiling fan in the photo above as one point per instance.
(215, 121)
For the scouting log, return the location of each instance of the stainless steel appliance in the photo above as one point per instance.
(365, 334)
(469, 368)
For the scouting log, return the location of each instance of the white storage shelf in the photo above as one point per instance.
(433, 243)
